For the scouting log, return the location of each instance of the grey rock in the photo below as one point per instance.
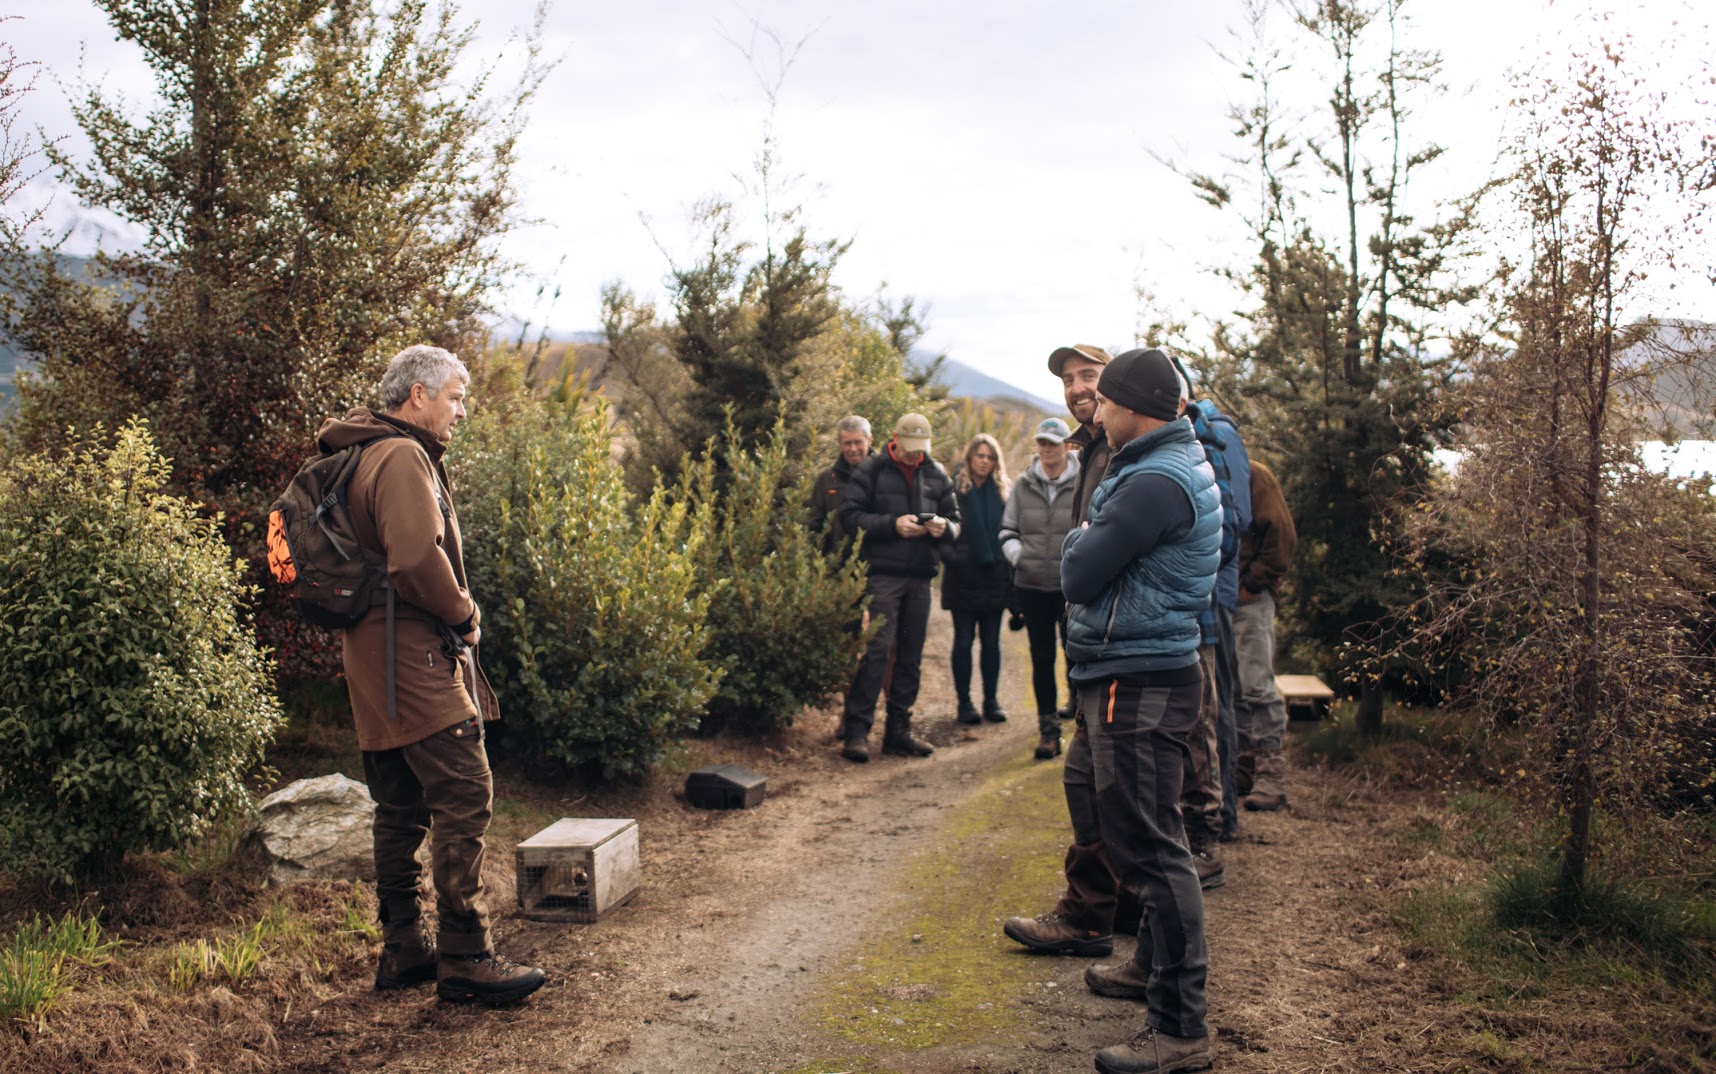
(317, 829)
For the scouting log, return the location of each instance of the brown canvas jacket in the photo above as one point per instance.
(402, 503)
(1266, 549)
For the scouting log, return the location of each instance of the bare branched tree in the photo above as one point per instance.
(1582, 580)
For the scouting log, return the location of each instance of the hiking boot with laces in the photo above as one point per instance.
(906, 744)
(1156, 1052)
(1053, 934)
(486, 978)
(1125, 980)
(406, 960)
(1048, 747)
(1206, 858)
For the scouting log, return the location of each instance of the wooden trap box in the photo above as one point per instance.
(1308, 698)
(725, 786)
(578, 869)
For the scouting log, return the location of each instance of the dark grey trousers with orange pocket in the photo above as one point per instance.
(1138, 726)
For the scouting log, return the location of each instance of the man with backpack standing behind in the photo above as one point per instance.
(421, 727)
(1265, 557)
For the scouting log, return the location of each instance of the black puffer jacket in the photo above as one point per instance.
(878, 493)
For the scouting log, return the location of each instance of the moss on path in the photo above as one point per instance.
(937, 974)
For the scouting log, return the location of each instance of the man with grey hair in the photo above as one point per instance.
(418, 696)
(852, 434)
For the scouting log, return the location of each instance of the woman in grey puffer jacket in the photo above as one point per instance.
(1036, 521)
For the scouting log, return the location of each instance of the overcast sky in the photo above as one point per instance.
(998, 160)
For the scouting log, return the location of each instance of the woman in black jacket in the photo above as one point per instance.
(976, 584)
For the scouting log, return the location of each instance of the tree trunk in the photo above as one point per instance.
(1368, 720)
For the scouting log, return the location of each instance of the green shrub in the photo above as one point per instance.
(133, 696)
(592, 615)
(781, 611)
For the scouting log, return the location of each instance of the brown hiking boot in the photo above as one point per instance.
(1053, 934)
(407, 959)
(1263, 802)
(1126, 980)
(1206, 858)
(906, 744)
(1269, 790)
(1048, 747)
(486, 978)
(1155, 1052)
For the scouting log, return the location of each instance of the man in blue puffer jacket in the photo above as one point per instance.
(1136, 577)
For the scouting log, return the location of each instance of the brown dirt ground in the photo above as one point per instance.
(742, 913)
(738, 952)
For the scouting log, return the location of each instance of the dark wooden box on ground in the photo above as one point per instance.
(725, 786)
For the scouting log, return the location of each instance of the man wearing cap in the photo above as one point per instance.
(1083, 919)
(1136, 577)
(1033, 526)
(902, 501)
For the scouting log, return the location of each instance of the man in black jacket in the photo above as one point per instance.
(902, 501)
(853, 434)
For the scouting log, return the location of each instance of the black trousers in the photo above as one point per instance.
(985, 627)
(1045, 613)
(1138, 753)
(903, 606)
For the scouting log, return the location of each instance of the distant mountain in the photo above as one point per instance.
(1682, 355)
(971, 383)
(10, 360)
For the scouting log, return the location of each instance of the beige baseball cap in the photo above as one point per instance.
(912, 432)
(1058, 357)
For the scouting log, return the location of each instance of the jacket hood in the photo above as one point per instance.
(362, 425)
(1068, 476)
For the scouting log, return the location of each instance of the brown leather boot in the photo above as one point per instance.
(408, 958)
(1206, 857)
(1124, 981)
(898, 739)
(1049, 746)
(485, 978)
(1155, 1052)
(1269, 790)
(1053, 934)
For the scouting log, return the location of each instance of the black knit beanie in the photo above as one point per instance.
(1144, 381)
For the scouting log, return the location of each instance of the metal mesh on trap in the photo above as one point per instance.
(559, 888)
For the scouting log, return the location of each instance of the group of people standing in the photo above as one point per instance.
(1150, 545)
(1146, 541)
